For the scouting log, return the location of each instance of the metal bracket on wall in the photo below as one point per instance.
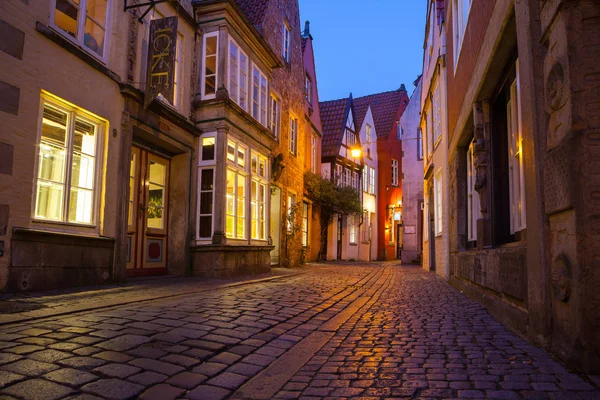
(133, 4)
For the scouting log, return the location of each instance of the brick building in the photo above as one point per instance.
(523, 127)
(311, 225)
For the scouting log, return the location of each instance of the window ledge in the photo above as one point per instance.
(76, 50)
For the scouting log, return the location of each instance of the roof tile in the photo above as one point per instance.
(332, 118)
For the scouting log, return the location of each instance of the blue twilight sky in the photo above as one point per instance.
(365, 46)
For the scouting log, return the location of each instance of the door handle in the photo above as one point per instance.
(142, 208)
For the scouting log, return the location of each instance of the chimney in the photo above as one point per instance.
(306, 32)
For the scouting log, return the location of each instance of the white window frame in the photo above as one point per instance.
(236, 95)
(352, 229)
(240, 169)
(436, 114)
(515, 156)
(437, 196)
(202, 165)
(419, 144)
(260, 95)
(293, 136)
(203, 87)
(365, 178)
(80, 39)
(304, 224)
(313, 153)
(347, 177)
(394, 172)
(308, 88)
(275, 115)
(472, 195)
(355, 181)
(260, 180)
(100, 124)
(286, 42)
(372, 181)
(460, 16)
(338, 178)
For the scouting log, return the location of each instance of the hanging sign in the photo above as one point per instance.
(161, 59)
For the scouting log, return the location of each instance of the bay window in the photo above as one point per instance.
(258, 206)
(209, 72)
(259, 95)
(206, 181)
(238, 75)
(235, 207)
(67, 165)
(84, 22)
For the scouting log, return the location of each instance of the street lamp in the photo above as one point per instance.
(355, 152)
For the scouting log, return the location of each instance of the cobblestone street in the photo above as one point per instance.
(369, 331)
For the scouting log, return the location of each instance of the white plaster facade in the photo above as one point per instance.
(434, 125)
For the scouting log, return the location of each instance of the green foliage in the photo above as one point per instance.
(332, 199)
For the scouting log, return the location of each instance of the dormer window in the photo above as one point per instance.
(286, 42)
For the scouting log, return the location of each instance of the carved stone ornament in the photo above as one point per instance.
(561, 278)
(555, 87)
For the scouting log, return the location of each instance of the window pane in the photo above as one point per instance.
(262, 168)
(208, 149)
(254, 166)
(49, 201)
(230, 203)
(52, 163)
(54, 127)
(80, 205)
(93, 38)
(243, 81)
(82, 172)
(207, 179)
(206, 206)
(85, 137)
(231, 151)
(241, 157)
(205, 225)
(65, 16)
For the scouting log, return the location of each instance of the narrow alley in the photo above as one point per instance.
(376, 330)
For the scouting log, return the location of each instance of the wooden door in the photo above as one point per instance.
(147, 214)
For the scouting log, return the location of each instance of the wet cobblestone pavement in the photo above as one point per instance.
(360, 331)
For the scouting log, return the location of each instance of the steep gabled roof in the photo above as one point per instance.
(384, 107)
(361, 105)
(254, 10)
(332, 118)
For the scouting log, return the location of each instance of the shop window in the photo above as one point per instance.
(68, 169)
(84, 22)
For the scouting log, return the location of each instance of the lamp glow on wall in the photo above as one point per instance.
(355, 152)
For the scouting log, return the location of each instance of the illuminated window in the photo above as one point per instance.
(67, 165)
(258, 205)
(515, 157)
(84, 21)
(235, 221)
(304, 224)
(352, 228)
